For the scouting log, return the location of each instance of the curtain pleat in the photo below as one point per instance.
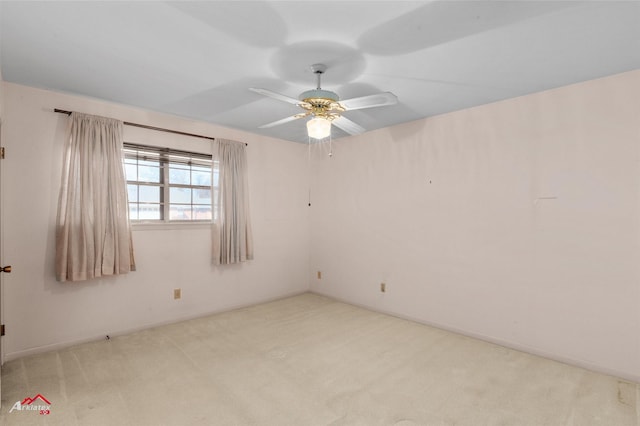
(93, 233)
(231, 229)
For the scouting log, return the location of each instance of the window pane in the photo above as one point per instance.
(149, 212)
(149, 162)
(202, 212)
(180, 195)
(178, 176)
(132, 192)
(133, 211)
(179, 212)
(183, 166)
(149, 194)
(216, 175)
(149, 174)
(157, 179)
(200, 177)
(202, 196)
(131, 171)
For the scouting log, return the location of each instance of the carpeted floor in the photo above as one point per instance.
(308, 360)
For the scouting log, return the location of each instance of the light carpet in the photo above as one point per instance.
(308, 360)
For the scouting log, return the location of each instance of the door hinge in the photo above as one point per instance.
(2, 153)
(2, 330)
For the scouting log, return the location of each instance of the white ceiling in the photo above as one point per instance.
(198, 59)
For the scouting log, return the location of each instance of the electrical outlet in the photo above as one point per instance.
(177, 293)
(319, 275)
(383, 287)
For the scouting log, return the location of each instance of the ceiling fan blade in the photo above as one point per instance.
(275, 95)
(370, 101)
(284, 120)
(348, 126)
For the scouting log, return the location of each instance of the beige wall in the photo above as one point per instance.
(1, 229)
(517, 222)
(41, 313)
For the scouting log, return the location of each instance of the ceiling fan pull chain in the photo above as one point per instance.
(330, 146)
(309, 169)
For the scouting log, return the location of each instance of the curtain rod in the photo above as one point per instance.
(144, 126)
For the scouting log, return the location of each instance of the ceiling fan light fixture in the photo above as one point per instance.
(319, 128)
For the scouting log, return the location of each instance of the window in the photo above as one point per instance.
(167, 185)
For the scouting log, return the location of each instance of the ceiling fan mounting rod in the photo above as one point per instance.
(318, 70)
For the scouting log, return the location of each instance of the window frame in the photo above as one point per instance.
(165, 157)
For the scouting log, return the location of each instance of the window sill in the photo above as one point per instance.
(151, 226)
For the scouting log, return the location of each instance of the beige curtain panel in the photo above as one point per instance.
(232, 237)
(93, 234)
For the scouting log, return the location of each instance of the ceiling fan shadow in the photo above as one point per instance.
(357, 89)
(207, 104)
(378, 118)
(292, 62)
(253, 23)
(439, 22)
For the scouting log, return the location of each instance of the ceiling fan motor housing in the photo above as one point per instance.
(311, 95)
(321, 103)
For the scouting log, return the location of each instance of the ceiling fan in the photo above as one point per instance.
(326, 108)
